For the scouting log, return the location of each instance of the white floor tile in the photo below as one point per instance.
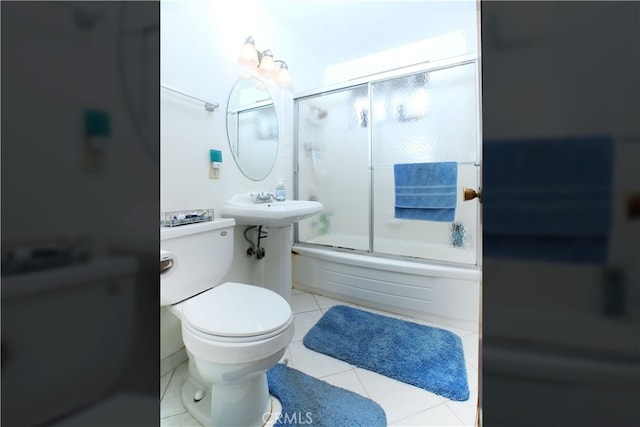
(313, 363)
(399, 400)
(404, 404)
(303, 302)
(180, 420)
(302, 322)
(164, 383)
(326, 303)
(472, 377)
(171, 404)
(470, 345)
(439, 415)
(286, 357)
(276, 410)
(170, 363)
(465, 411)
(347, 380)
(295, 291)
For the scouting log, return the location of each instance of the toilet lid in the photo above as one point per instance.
(237, 310)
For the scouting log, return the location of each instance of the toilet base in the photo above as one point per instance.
(201, 410)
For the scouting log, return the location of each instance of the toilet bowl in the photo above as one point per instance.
(233, 332)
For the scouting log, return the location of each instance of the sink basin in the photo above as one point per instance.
(243, 208)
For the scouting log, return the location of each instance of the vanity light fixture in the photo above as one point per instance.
(249, 53)
(283, 76)
(276, 70)
(267, 64)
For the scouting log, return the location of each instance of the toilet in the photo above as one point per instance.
(233, 332)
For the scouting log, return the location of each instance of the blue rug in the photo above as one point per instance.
(310, 402)
(423, 356)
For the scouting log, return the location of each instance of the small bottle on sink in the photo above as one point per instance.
(281, 192)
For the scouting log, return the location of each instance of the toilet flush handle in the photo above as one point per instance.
(167, 261)
(165, 264)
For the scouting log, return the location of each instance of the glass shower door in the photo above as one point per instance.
(351, 141)
(432, 118)
(333, 167)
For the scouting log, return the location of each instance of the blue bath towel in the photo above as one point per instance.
(426, 191)
(548, 199)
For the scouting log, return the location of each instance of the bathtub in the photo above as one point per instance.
(429, 291)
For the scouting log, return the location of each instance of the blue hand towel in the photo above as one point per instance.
(426, 191)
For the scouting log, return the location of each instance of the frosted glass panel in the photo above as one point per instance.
(453, 241)
(426, 117)
(348, 145)
(333, 159)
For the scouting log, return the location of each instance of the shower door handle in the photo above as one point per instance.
(470, 194)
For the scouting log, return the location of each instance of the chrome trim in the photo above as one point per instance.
(296, 164)
(165, 265)
(209, 106)
(386, 75)
(371, 179)
(479, 145)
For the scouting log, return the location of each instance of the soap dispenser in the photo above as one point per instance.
(281, 192)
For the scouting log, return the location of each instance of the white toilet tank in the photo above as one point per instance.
(195, 257)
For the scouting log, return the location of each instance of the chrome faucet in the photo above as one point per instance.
(264, 197)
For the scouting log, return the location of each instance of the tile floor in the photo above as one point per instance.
(405, 405)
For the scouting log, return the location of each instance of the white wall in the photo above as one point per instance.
(200, 42)
(199, 58)
(341, 40)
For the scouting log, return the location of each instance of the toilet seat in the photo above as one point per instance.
(236, 313)
(231, 340)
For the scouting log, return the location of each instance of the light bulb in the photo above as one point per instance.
(284, 77)
(249, 54)
(266, 63)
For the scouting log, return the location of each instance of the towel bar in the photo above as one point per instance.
(209, 106)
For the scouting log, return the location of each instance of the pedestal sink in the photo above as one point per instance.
(278, 217)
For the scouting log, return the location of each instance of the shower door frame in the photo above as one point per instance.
(369, 81)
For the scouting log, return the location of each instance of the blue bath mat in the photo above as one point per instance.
(423, 356)
(312, 402)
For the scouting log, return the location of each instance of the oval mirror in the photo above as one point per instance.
(252, 128)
